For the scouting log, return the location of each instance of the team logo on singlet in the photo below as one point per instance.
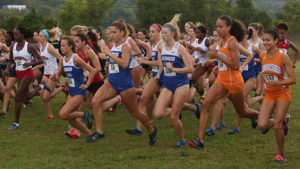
(271, 67)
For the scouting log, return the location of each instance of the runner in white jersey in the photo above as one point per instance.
(134, 66)
(199, 73)
(49, 55)
(21, 53)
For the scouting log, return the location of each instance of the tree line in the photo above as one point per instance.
(93, 13)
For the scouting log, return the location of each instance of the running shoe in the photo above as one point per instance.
(221, 126)
(234, 131)
(94, 137)
(153, 136)
(72, 133)
(280, 158)
(210, 132)
(285, 126)
(87, 118)
(49, 118)
(254, 123)
(3, 113)
(264, 131)
(134, 131)
(197, 144)
(180, 143)
(14, 126)
(197, 110)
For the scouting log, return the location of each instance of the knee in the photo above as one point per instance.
(63, 115)
(157, 116)
(262, 125)
(95, 103)
(277, 125)
(174, 117)
(144, 99)
(7, 89)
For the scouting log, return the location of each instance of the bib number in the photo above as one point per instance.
(154, 69)
(269, 77)
(222, 66)
(19, 64)
(71, 82)
(113, 68)
(169, 72)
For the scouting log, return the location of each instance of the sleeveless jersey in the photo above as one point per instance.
(227, 74)
(133, 59)
(21, 57)
(283, 47)
(172, 56)
(50, 64)
(273, 69)
(97, 77)
(117, 74)
(243, 58)
(74, 75)
(155, 58)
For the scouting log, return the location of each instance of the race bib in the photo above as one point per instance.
(154, 69)
(113, 68)
(71, 82)
(269, 77)
(283, 51)
(19, 64)
(168, 72)
(222, 66)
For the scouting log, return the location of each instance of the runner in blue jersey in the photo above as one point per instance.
(73, 66)
(119, 82)
(176, 64)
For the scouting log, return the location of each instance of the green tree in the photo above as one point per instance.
(10, 21)
(84, 12)
(290, 13)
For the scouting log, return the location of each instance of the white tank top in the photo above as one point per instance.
(50, 64)
(257, 42)
(202, 56)
(133, 61)
(21, 57)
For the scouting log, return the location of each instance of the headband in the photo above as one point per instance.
(157, 27)
(97, 29)
(46, 33)
(170, 29)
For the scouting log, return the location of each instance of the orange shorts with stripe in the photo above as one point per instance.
(232, 88)
(283, 95)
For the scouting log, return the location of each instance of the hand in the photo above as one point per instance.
(83, 86)
(140, 60)
(138, 41)
(26, 65)
(241, 69)
(157, 76)
(256, 60)
(259, 91)
(273, 83)
(212, 54)
(169, 65)
(107, 51)
(255, 49)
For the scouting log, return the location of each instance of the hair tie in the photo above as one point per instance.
(46, 33)
(170, 29)
(157, 27)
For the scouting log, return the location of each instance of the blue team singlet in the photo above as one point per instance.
(118, 77)
(74, 76)
(173, 80)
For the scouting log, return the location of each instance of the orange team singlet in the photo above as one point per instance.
(230, 78)
(273, 69)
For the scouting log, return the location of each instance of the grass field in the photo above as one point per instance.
(40, 144)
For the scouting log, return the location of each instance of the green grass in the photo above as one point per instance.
(40, 144)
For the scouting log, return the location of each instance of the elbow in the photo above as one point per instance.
(294, 80)
(124, 65)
